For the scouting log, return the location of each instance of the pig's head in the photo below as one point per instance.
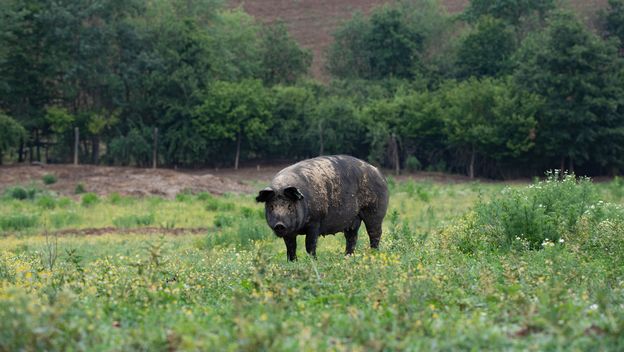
(285, 209)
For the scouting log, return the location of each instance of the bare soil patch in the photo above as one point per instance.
(123, 180)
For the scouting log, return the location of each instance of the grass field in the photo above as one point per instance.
(462, 266)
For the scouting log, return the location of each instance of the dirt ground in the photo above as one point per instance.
(123, 180)
(104, 180)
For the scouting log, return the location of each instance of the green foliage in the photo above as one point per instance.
(388, 44)
(59, 119)
(511, 11)
(89, 199)
(136, 291)
(49, 179)
(283, 60)
(130, 221)
(614, 20)
(489, 118)
(579, 123)
(240, 230)
(546, 212)
(22, 193)
(486, 50)
(80, 188)
(46, 202)
(218, 204)
(412, 164)
(11, 134)
(18, 222)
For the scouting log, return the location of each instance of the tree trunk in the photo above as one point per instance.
(562, 165)
(38, 145)
(20, 153)
(1, 156)
(238, 146)
(155, 149)
(95, 156)
(571, 168)
(31, 153)
(76, 144)
(395, 155)
(322, 146)
(472, 162)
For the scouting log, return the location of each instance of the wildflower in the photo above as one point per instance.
(593, 307)
(561, 240)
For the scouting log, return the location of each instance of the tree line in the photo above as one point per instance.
(506, 88)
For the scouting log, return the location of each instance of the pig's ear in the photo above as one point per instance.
(265, 195)
(293, 193)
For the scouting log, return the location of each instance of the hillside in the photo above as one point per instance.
(312, 22)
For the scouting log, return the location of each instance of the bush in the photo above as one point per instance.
(543, 212)
(80, 189)
(412, 164)
(89, 199)
(49, 179)
(21, 193)
(130, 221)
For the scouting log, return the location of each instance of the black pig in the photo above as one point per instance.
(323, 196)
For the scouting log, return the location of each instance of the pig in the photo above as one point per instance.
(324, 196)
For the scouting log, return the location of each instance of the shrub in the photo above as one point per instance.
(89, 199)
(544, 211)
(21, 193)
(49, 179)
(412, 164)
(80, 189)
(134, 221)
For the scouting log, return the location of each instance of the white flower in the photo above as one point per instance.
(561, 240)
(593, 307)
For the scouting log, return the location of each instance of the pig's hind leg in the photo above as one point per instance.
(351, 235)
(373, 227)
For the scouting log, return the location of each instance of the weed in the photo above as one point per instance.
(80, 189)
(18, 222)
(130, 221)
(89, 199)
(49, 179)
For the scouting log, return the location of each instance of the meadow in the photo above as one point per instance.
(466, 266)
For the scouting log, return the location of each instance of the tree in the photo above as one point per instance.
(487, 118)
(235, 112)
(510, 11)
(335, 128)
(486, 50)
(579, 77)
(11, 134)
(614, 21)
(283, 60)
(293, 110)
(389, 43)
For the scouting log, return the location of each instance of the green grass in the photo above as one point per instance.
(441, 281)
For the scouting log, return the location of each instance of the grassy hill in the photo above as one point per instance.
(312, 22)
